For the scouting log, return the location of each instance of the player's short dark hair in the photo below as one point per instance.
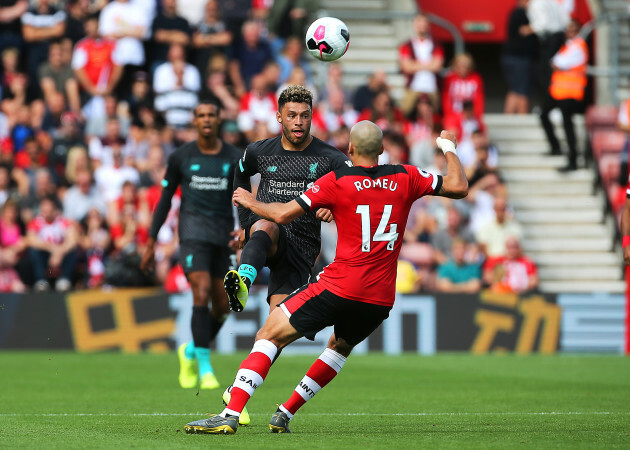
(208, 101)
(295, 93)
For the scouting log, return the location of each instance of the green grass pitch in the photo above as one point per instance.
(111, 400)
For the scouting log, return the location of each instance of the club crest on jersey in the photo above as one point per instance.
(313, 168)
(272, 168)
(195, 167)
(226, 169)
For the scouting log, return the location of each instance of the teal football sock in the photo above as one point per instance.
(203, 360)
(189, 351)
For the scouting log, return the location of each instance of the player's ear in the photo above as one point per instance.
(278, 117)
(382, 148)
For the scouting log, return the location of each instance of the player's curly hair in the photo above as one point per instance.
(295, 93)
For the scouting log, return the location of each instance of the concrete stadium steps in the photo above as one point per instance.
(560, 217)
(538, 231)
(544, 174)
(374, 40)
(330, 5)
(533, 161)
(579, 273)
(576, 258)
(558, 203)
(566, 229)
(544, 189)
(557, 244)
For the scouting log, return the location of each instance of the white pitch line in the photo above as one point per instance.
(505, 413)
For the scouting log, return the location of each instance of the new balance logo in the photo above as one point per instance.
(195, 167)
(272, 168)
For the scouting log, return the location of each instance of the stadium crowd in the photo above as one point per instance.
(96, 95)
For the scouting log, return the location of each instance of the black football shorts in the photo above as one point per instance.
(313, 308)
(202, 256)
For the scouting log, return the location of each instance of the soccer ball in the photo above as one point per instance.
(327, 39)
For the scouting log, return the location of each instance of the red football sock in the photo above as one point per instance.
(323, 370)
(250, 375)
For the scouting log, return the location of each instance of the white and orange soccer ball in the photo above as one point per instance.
(327, 39)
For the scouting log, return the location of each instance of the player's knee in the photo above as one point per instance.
(265, 334)
(270, 228)
(201, 293)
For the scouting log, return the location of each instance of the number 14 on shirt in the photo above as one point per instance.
(380, 235)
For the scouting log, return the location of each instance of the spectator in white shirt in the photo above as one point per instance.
(110, 178)
(165, 78)
(82, 197)
(126, 22)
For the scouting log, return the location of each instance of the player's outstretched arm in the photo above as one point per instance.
(454, 183)
(625, 231)
(281, 213)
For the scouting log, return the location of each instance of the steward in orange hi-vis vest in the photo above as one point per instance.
(568, 79)
(566, 92)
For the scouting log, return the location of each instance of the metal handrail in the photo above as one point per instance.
(614, 71)
(458, 40)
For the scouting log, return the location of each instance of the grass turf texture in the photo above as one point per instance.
(107, 400)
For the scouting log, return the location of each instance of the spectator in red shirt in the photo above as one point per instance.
(513, 272)
(257, 116)
(52, 241)
(420, 59)
(462, 84)
(96, 63)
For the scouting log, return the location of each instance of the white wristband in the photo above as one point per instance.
(445, 145)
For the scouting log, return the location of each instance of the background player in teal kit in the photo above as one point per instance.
(205, 169)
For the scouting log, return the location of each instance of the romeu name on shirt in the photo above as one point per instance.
(284, 175)
(371, 206)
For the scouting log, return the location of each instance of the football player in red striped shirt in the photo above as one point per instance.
(356, 291)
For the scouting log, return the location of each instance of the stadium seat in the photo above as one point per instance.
(616, 197)
(601, 117)
(609, 166)
(607, 141)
